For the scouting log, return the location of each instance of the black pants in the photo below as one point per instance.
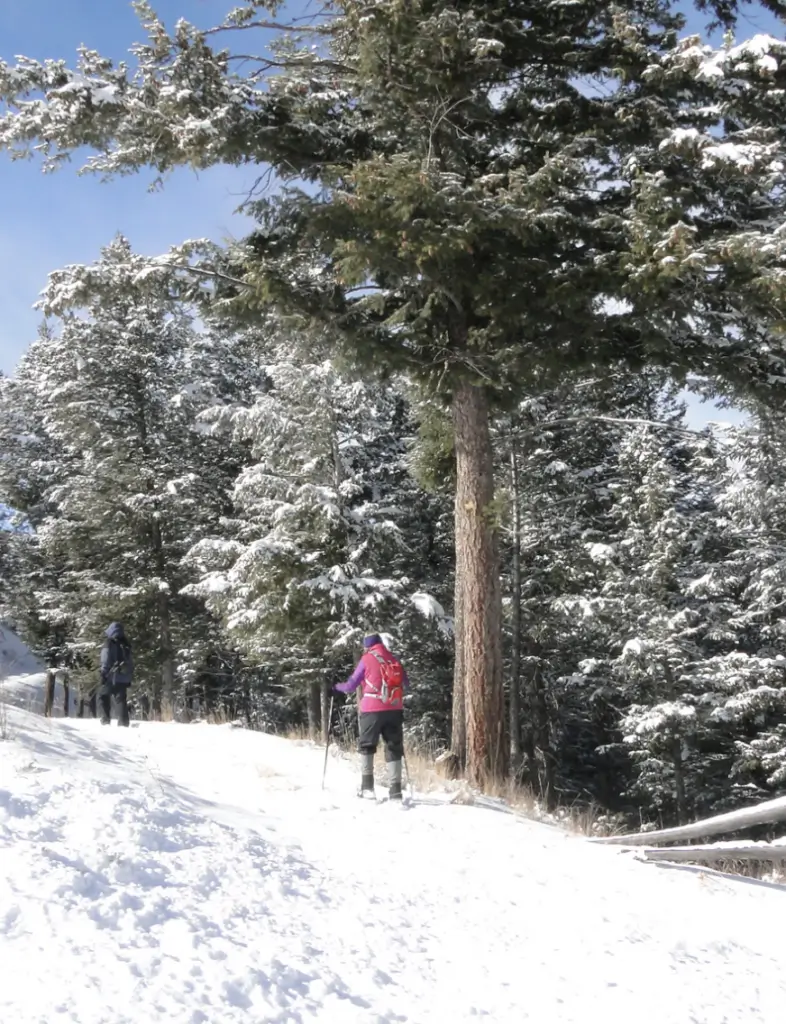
(387, 724)
(120, 693)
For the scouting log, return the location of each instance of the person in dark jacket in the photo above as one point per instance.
(384, 682)
(117, 673)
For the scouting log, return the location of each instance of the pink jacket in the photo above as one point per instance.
(369, 675)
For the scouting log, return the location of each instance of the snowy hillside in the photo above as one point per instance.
(199, 874)
(21, 673)
(22, 677)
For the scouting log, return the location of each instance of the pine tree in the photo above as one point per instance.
(752, 700)
(475, 203)
(134, 483)
(671, 653)
(565, 444)
(310, 562)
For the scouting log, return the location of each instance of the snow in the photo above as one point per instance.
(600, 552)
(195, 874)
(744, 156)
(761, 51)
(681, 136)
(430, 608)
(99, 92)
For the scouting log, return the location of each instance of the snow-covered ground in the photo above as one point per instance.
(199, 874)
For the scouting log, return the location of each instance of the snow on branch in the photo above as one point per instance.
(430, 608)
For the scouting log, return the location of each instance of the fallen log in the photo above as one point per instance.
(715, 852)
(762, 814)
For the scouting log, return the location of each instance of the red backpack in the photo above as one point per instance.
(391, 686)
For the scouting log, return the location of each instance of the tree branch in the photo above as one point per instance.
(202, 272)
(270, 26)
(623, 421)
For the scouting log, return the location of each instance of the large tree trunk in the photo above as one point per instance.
(458, 735)
(478, 629)
(514, 706)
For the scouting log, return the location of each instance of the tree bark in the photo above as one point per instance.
(324, 692)
(314, 710)
(478, 629)
(514, 704)
(458, 732)
(49, 692)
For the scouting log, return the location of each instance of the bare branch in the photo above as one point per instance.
(214, 275)
(306, 60)
(271, 26)
(568, 421)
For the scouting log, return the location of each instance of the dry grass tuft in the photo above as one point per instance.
(589, 820)
(167, 713)
(218, 716)
(422, 770)
(300, 734)
(464, 796)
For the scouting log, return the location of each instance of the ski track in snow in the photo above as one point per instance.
(198, 874)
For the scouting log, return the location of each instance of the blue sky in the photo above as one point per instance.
(49, 221)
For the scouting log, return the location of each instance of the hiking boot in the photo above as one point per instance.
(366, 775)
(394, 779)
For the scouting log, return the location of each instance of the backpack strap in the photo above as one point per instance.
(120, 656)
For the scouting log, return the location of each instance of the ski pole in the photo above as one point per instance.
(327, 740)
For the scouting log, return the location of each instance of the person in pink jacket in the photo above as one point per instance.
(384, 683)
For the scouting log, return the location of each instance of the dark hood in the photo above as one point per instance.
(115, 631)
